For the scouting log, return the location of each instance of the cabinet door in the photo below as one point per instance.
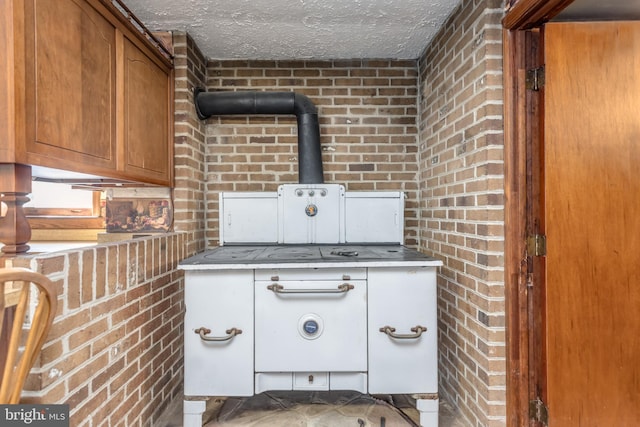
(248, 217)
(382, 211)
(218, 301)
(146, 149)
(70, 86)
(402, 298)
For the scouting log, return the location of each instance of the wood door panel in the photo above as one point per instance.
(71, 85)
(146, 114)
(592, 219)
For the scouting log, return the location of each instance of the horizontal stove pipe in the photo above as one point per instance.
(309, 153)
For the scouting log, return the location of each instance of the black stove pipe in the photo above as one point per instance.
(309, 153)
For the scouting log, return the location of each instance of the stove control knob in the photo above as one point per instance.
(312, 193)
(299, 193)
(311, 210)
(310, 327)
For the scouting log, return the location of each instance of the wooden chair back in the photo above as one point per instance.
(29, 327)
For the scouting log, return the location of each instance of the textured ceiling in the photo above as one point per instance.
(300, 29)
(325, 29)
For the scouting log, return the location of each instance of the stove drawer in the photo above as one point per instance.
(317, 381)
(269, 381)
(311, 325)
(286, 381)
(218, 357)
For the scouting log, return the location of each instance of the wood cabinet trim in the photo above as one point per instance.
(7, 59)
(526, 14)
(124, 24)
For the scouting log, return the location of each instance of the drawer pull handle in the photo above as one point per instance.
(230, 334)
(279, 289)
(418, 330)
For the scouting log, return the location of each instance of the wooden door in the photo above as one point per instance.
(70, 87)
(147, 133)
(591, 208)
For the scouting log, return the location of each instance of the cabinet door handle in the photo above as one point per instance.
(230, 334)
(279, 289)
(418, 330)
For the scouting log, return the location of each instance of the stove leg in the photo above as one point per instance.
(428, 409)
(192, 412)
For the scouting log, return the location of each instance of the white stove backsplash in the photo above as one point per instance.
(311, 214)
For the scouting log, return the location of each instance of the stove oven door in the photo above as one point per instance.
(311, 325)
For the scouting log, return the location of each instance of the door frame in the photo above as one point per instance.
(522, 43)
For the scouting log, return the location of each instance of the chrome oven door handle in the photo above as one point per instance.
(230, 334)
(279, 289)
(417, 332)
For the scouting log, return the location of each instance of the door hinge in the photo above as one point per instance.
(535, 78)
(537, 245)
(538, 411)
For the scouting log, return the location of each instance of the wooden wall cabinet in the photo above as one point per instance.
(89, 95)
(69, 71)
(83, 90)
(146, 147)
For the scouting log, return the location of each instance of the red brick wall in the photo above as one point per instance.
(114, 353)
(189, 149)
(367, 112)
(462, 205)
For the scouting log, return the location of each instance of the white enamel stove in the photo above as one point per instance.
(321, 295)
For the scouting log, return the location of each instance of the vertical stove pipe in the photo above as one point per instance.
(309, 153)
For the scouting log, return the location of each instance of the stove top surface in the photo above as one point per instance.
(305, 254)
